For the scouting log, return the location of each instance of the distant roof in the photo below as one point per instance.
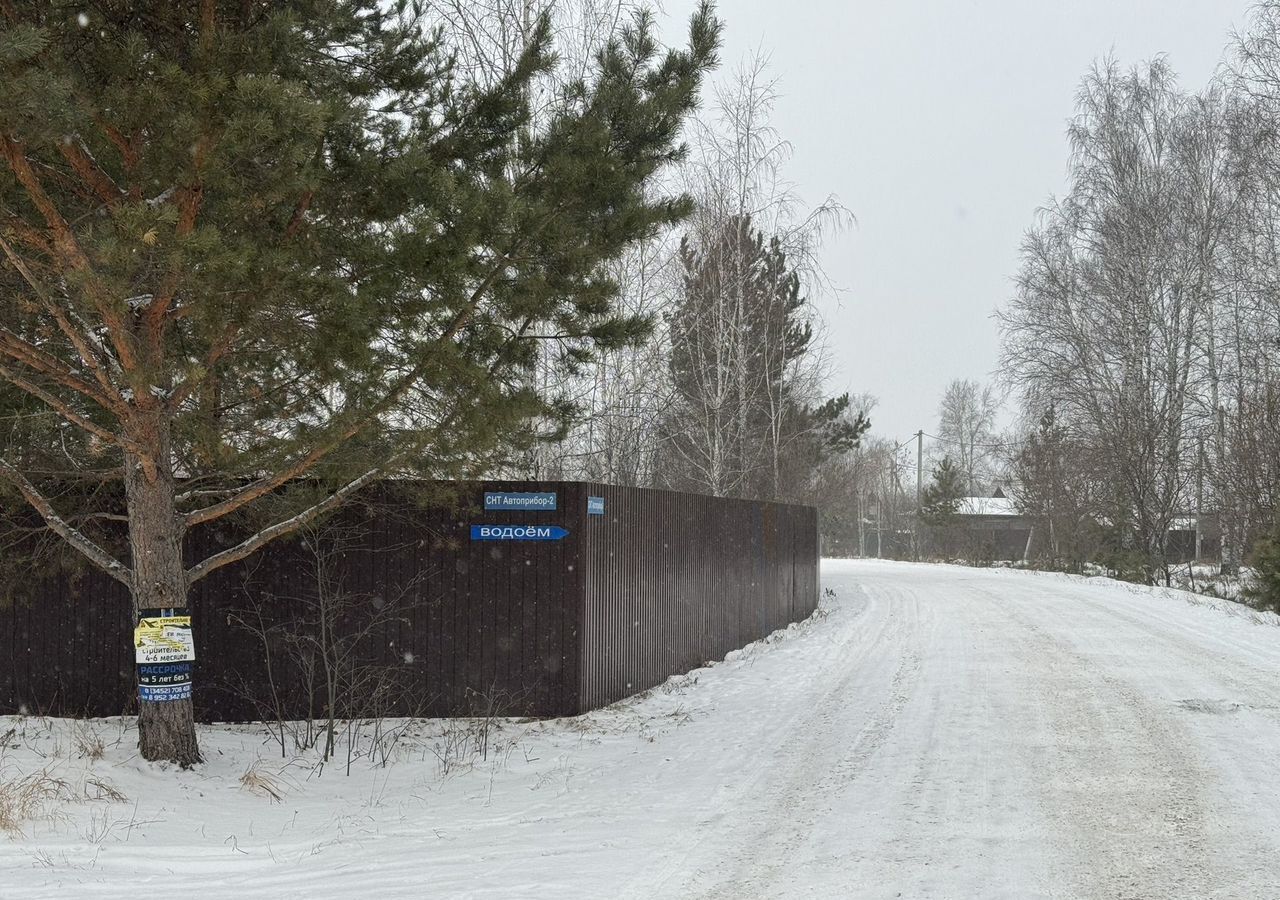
(987, 506)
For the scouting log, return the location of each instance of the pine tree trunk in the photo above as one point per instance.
(166, 729)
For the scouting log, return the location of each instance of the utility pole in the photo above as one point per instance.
(919, 466)
(1200, 460)
(880, 525)
(919, 476)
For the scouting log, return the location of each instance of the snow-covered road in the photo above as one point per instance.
(939, 732)
(976, 733)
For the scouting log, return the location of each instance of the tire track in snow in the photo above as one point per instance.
(819, 759)
(864, 630)
(1239, 677)
(1122, 787)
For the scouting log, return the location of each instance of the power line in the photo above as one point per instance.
(984, 445)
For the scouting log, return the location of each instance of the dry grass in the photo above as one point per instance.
(264, 784)
(41, 795)
(88, 743)
(30, 797)
(96, 788)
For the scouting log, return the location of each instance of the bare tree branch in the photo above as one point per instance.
(90, 550)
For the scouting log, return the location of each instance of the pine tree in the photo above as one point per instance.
(258, 254)
(746, 422)
(940, 500)
(1264, 591)
(1040, 468)
(1053, 486)
(940, 505)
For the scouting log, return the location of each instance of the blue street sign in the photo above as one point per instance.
(518, 533)
(520, 501)
(595, 506)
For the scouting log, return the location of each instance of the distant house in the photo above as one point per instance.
(1194, 537)
(993, 528)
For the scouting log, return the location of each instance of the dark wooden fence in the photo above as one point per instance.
(422, 620)
(675, 580)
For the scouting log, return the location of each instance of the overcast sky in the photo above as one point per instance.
(941, 125)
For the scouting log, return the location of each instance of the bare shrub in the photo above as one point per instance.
(321, 683)
(466, 742)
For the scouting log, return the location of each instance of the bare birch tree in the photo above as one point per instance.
(1116, 292)
(1244, 468)
(966, 425)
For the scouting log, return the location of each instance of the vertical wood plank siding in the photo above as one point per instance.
(661, 583)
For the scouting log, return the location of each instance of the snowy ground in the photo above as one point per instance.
(935, 732)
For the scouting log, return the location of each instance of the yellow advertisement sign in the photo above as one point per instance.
(164, 639)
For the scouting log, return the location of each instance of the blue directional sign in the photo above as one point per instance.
(595, 506)
(520, 501)
(518, 533)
